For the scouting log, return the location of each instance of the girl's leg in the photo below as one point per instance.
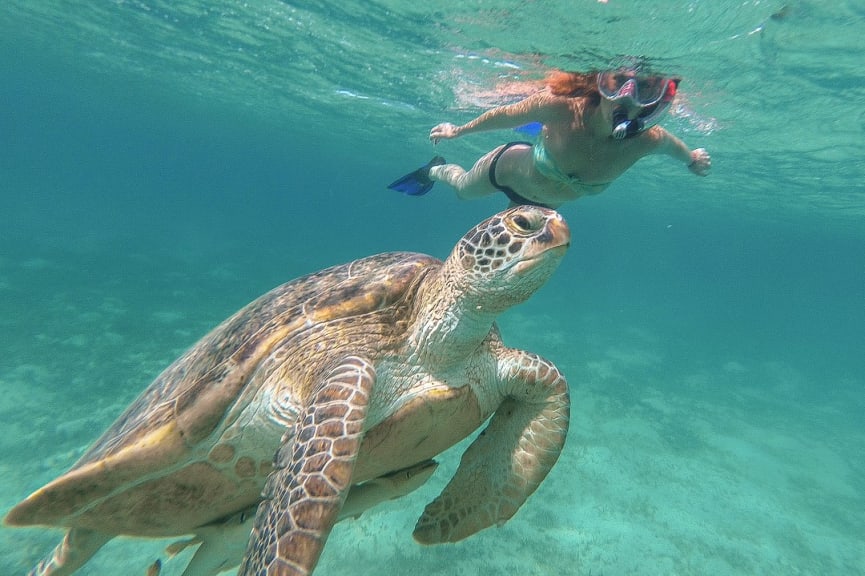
(469, 184)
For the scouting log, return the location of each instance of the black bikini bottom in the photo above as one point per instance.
(509, 192)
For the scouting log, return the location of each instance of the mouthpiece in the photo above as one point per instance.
(621, 124)
(620, 131)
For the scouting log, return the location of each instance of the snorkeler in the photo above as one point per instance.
(594, 126)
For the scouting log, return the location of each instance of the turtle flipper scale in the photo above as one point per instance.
(509, 459)
(313, 469)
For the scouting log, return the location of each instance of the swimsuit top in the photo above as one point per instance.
(549, 169)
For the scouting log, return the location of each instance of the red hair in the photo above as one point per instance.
(574, 85)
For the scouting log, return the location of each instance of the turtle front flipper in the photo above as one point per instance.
(72, 553)
(510, 458)
(312, 475)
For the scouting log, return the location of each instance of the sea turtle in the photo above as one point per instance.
(326, 385)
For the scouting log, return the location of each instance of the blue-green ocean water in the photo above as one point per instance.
(163, 163)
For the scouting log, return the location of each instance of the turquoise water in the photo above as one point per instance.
(162, 165)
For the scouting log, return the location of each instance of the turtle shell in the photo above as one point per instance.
(164, 467)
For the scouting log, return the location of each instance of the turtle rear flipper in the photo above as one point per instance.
(390, 486)
(509, 459)
(221, 545)
(77, 547)
(312, 475)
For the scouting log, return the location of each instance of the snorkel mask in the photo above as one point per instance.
(626, 90)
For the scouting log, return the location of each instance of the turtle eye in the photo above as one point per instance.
(525, 224)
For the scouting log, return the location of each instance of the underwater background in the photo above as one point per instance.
(164, 163)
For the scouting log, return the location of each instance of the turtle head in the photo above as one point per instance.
(507, 257)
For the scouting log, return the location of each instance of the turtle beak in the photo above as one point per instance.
(557, 234)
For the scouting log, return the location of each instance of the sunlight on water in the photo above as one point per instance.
(770, 82)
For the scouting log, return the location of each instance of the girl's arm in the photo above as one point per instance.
(540, 107)
(698, 160)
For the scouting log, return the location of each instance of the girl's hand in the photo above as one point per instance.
(445, 131)
(701, 162)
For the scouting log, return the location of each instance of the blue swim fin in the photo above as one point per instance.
(532, 129)
(417, 183)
